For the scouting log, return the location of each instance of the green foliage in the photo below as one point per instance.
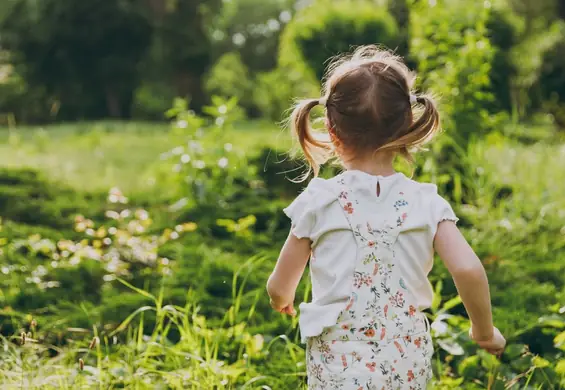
(252, 28)
(553, 82)
(229, 78)
(199, 169)
(176, 295)
(17, 99)
(58, 45)
(275, 91)
(503, 30)
(454, 57)
(27, 197)
(327, 28)
(181, 49)
(529, 56)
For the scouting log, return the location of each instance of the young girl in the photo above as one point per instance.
(370, 234)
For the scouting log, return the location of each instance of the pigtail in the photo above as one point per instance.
(420, 131)
(316, 151)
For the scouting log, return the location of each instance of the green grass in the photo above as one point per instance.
(209, 325)
(99, 156)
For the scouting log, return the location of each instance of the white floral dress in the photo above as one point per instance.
(380, 339)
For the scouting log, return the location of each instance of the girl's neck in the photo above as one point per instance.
(377, 164)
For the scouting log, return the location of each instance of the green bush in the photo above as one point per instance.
(18, 100)
(274, 92)
(228, 78)
(328, 28)
(553, 82)
(503, 30)
(454, 57)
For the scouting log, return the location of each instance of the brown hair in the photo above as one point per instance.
(369, 107)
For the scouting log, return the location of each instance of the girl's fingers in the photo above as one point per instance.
(289, 310)
(277, 307)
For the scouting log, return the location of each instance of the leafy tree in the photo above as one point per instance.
(253, 28)
(84, 53)
(181, 52)
(328, 28)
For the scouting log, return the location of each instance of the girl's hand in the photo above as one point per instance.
(287, 273)
(284, 309)
(494, 346)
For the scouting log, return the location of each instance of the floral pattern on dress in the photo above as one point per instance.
(381, 339)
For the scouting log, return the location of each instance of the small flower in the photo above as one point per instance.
(178, 150)
(116, 196)
(223, 162)
(349, 208)
(370, 332)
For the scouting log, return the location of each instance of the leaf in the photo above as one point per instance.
(469, 367)
(138, 290)
(451, 303)
(514, 351)
(451, 346)
(437, 297)
(559, 340)
(553, 321)
(540, 362)
(560, 367)
(126, 322)
(488, 361)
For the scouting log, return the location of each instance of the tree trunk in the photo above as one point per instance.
(113, 103)
(189, 86)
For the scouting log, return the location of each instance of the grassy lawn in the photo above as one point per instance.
(98, 156)
(520, 237)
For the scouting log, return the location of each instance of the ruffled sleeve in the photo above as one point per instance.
(439, 209)
(303, 211)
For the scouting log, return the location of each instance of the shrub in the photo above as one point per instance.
(327, 28)
(503, 29)
(454, 58)
(553, 83)
(228, 78)
(275, 91)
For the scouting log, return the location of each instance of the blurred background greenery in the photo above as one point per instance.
(144, 169)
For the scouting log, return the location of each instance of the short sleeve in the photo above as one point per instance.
(440, 210)
(303, 210)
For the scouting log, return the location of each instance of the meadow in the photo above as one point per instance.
(135, 255)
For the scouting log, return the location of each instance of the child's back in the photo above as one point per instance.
(371, 233)
(372, 250)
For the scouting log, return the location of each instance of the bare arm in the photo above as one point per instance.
(469, 276)
(290, 266)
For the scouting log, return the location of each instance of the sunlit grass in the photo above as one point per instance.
(98, 156)
(167, 345)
